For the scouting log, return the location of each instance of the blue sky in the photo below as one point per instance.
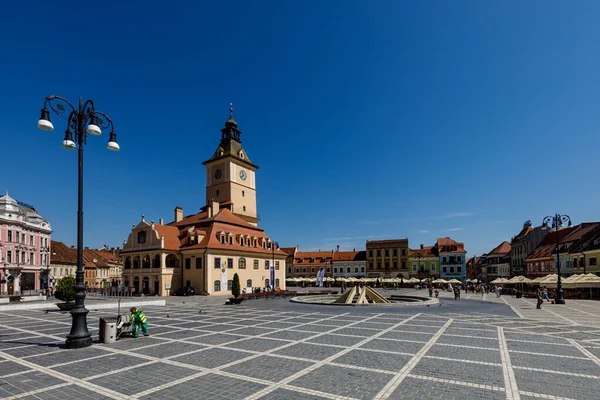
(369, 120)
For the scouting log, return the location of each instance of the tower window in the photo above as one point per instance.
(244, 208)
(243, 193)
(217, 192)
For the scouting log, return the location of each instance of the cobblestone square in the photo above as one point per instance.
(272, 349)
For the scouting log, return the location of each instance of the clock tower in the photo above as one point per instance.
(230, 175)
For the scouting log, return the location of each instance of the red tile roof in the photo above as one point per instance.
(212, 235)
(318, 257)
(446, 245)
(107, 256)
(579, 231)
(93, 261)
(288, 250)
(426, 251)
(190, 219)
(62, 254)
(171, 235)
(547, 246)
(350, 256)
(503, 249)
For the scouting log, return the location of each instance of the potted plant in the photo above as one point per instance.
(235, 290)
(65, 291)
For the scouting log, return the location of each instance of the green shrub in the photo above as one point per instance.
(235, 286)
(65, 290)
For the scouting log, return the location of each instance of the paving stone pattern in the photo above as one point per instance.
(271, 349)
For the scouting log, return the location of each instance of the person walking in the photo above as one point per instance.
(545, 294)
(540, 300)
(138, 320)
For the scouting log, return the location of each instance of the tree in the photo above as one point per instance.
(235, 286)
(65, 290)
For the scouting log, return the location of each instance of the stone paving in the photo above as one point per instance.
(274, 349)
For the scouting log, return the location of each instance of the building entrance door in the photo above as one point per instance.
(156, 287)
(146, 285)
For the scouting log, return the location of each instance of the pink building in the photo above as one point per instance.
(24, 247)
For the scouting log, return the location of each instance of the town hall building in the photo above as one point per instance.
(206, 249)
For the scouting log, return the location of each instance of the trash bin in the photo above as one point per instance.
(108, 330)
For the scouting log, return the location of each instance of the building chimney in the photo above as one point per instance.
(161, 221)
(421, 247)
(178, 214)
(338, 248)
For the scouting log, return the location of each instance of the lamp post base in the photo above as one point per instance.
(79, 337)
(559, 300)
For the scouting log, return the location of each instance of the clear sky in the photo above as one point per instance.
(369, 119)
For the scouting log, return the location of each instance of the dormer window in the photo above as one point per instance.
(255, 242)
(241, 154)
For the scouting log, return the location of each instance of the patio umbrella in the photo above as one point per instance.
(519, 279)
(454, 280)
(589, 280)
(440, 280)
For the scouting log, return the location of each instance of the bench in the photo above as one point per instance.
(279, 293)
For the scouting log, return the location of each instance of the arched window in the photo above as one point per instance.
(242, 263)
(127, 262)
(146, 262)
(217, 286)
(156, 261)
(249, 283)
(136, 262)
(276, 282)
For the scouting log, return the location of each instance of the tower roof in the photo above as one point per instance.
(231, 144)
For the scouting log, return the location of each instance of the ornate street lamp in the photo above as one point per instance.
(274, 245)
(558, 222)
(81, 121)
(419, 258)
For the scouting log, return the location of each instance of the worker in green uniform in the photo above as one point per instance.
(138, 320)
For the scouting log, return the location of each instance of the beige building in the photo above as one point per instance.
(308, 263)
(206, 249)
(289, 261)
(348, 264)
(63, 262)
(387, 258)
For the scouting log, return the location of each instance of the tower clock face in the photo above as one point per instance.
(243, 175)
(218, 174)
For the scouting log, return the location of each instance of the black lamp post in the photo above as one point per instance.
(273, 245)
(557, 222)
(419, 259)
(81, 121)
